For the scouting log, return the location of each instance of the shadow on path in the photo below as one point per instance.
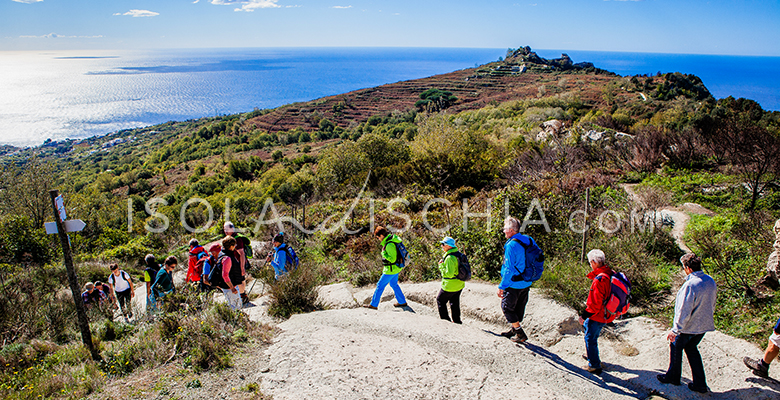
(605, 380)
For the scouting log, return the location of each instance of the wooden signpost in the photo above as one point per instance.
(62, 228)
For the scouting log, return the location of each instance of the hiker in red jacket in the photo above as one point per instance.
(594, 317)
(197, 256)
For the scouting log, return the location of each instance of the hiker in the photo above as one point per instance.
(90, 295)
(514, 292)
(122, 286)
(393, 263)
(163, 283)
(282, 257)
(231, 273)
(150, 274)
(197, 256)
(693, 317)
(210, 264)
(243, 247)
(760, 366)
(105, 291)
(594, 317)
(451, 286)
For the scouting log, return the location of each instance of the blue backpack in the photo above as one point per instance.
(292, 260)
(401, 254)
(534, 261)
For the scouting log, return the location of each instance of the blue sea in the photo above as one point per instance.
(78, 94)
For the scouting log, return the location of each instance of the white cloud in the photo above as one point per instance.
(27, 1)
(247, 5)
(56, 36)
(342, 7)
(195, 2)
(140, 13)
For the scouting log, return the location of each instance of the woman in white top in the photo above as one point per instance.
(122, 285)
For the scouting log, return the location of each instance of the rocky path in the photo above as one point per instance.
(348, 352)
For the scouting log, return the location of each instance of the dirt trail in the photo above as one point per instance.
(678, 215)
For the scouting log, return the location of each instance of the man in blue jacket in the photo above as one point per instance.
(514, 293)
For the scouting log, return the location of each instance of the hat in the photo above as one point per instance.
(448, 241)
(194, 242)
(215, 247)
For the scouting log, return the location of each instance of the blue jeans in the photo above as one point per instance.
(385, 280)
(689, 344)
(592, 332)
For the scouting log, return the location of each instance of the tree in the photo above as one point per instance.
(749, 142)
(434, 100)
(24, 190)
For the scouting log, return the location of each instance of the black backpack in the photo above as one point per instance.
(464, 268)
(215, 275)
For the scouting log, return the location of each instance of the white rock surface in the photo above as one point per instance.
(356, 353)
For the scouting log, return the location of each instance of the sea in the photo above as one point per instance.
(78, 94)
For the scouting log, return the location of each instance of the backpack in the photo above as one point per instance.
(215, 275)
(292, 259)
(112, 280)
(197, 259)
(401, 255)
(247, 245)
(534, 261)
(616, 302)
(464, 268)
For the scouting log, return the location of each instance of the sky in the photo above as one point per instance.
(729, 27)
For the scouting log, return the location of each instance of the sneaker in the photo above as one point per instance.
(520, 336)
(594, 371)
(757, 367)
(663, 379)
(698, 389)
(399, 305)
(369, 306)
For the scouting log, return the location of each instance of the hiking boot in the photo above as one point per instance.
(757, 366)
(244, 299)
(399, 305)
(520, 336)
(698, 389)
(663, 379)
(369, 306)
(508, 334)
(594, 371)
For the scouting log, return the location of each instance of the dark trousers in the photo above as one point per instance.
(123, 298)
(689, 344)
(454, 299)
(513, 304)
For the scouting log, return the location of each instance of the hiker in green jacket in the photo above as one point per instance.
(451, 286)
(393, 263)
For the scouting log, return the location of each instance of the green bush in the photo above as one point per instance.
(294, 293)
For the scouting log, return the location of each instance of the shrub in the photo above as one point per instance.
(294, 293)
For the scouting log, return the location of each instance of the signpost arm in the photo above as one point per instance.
(86, 335)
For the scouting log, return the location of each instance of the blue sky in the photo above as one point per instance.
(748, 27)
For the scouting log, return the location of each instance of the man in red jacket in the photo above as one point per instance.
(595, 317)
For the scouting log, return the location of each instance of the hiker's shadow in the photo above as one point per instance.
(605, 380)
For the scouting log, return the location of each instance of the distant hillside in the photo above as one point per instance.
(524, 75)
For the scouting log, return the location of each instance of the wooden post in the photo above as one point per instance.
(86, 334)
(585, 225)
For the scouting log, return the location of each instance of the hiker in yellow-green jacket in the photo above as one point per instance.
(393, 263)
(451, 286)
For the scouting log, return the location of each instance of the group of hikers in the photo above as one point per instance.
(606, 300)
(225, 266)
